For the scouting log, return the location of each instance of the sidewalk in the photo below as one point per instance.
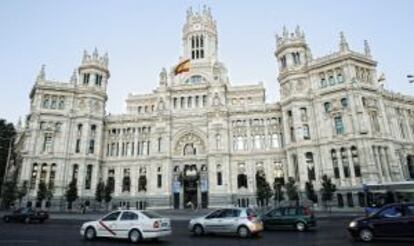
(185, 214)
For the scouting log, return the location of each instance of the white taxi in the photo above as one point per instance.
(134, 225)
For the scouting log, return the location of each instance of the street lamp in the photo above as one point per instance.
(410, 78)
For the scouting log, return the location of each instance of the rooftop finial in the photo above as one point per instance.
(381, 80)
(74, 76)
(343, 44)
(285, 32)
(42, 73)
(163, 76)
(297, 31)
(367, 49)
(95, 53)
(106, 59)
(85, 56)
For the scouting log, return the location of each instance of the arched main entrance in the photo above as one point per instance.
(190, 185)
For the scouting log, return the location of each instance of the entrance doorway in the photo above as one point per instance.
(190, 194)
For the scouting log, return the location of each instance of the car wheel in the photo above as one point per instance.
(134, 236)
(6, 219)
(300, 226)
(90, 233)
(366, 235)
(27, 220)
(198, 230)
(243, 232)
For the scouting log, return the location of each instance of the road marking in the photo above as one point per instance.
(17, 241)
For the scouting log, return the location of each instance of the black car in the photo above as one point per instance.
(300, 218)
(26, 215)
(393, 220)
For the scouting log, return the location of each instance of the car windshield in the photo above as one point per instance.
(151, 214)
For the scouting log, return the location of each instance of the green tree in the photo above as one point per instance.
(327, 190)
(263, 190)
(41, 192)
(71, 193)
(22, 192)
(100, 192)
(108, 193)
(7, 136)
(292, 190)
(310, 192)
(8, 193)
(278, 192)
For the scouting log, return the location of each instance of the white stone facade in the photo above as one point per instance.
(198, 138)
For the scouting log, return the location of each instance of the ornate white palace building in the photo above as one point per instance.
(199, 138)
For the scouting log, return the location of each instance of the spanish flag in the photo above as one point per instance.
(182, 67)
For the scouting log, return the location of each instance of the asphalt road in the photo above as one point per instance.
(66, 232)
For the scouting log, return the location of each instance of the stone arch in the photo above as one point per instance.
(189, 143)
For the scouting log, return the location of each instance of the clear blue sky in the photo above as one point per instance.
(144, 36)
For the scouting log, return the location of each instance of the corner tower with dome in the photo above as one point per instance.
(198, 140)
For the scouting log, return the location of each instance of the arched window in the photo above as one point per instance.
(61, 104)
(339, 125)
(43, 172)
(355, 160)
(345, 162)
(34, 176)
(335, 164)
(46, 102)
(52, 176)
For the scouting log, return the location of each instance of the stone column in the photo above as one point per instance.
(384, 164)
(375, 150)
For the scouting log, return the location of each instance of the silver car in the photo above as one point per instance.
(241, 221)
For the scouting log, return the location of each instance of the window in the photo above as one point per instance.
(355, 160)
(345, 162)
(112, 217)
(53, 104)
(292, 134)
(391, 212)
(344, 102)
(219, 176)
(197, 47)
(61, 104)
(242, 181)
(335, 164)
(47, 143)
(310, 165)
(159, 180)
(159, 144)
(43, 172)
(306, 132)
(189, 102)
(88, 178)
(77, 147)
(331, 79)
(296, 58)
(129, 216)
(339, 125)
(46, 102)
(91, 146)
(350, 199)
(327, 107)
(303, 114)
(283, 61)
(111, 179)
(409, 210)
(339, 76)
(86, 78)
(275, 140)
(34, 176)
(126, 182)
(75, 170)
(98, 80)
(340, 200)
(204, 100)
(52, 176)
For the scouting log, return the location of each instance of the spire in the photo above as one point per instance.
(85, 56)
(189, 12)
(95, 53)
(74, 77)
(163, 76)
(343, 45)
(105, 59)
(367, 49)
(297, 31)
(42, 73)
